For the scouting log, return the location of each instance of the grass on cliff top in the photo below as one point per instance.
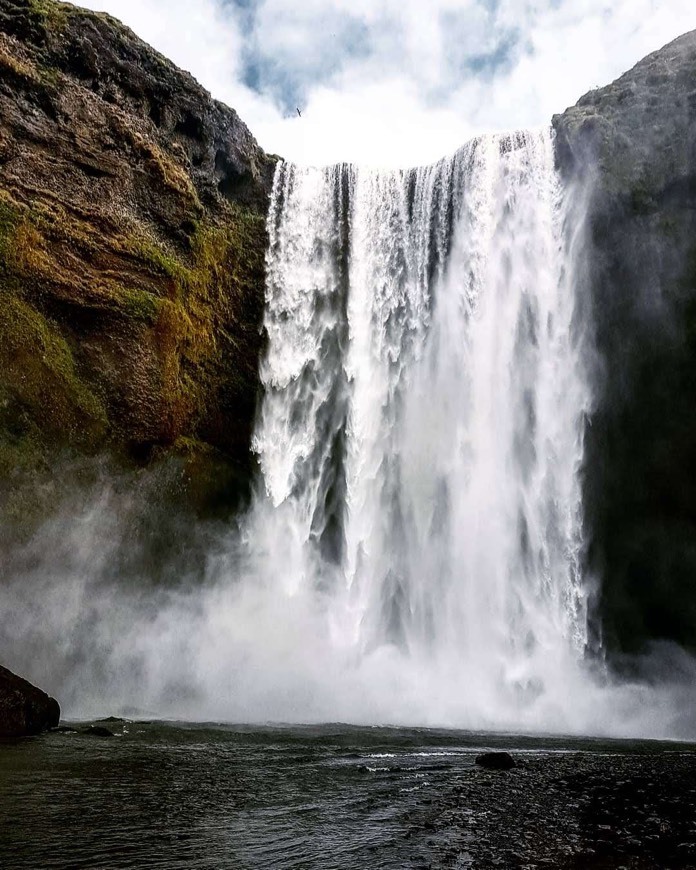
(53, 14)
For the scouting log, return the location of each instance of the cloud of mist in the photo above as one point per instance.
(397, 83)
(80, 616)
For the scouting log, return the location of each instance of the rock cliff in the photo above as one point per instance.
(634, 144)
(132, 240)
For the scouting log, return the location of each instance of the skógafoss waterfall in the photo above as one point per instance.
(421, 434)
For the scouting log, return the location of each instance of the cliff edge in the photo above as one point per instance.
(132, 242)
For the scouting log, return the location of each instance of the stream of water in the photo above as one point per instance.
(421, 435)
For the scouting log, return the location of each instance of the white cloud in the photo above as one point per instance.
(400, 82)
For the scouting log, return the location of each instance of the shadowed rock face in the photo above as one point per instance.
(24, 709)
(132, 243)
(635, 143)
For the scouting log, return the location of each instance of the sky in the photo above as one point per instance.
(399, 82)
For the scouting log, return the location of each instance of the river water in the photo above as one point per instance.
(167, 795)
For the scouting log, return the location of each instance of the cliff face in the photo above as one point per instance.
(634, 143)
(132, 241)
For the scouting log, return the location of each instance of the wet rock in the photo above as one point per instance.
(24, 709)
(631, 146)
(496, 761)
(98, 731)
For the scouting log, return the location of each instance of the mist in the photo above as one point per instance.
(208, 646)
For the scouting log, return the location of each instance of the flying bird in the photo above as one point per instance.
(299, 113)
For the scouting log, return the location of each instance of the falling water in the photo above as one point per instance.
(421, 435)
(413, 553)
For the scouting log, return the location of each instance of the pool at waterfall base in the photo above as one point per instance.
(335, 797)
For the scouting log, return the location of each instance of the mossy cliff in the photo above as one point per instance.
(132, 240)
(634, 144)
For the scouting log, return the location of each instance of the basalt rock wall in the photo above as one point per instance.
(632, 146)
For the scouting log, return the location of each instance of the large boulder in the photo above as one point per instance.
(24, 709)
(632, 147)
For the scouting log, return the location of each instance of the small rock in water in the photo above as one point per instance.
(98, 731)
(496, 761)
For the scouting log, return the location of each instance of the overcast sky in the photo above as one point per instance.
(399, 82)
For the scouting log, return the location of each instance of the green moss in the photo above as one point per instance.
(157, 258)
(193, 306)
(202, 325)
(44, 408)
(49, 76)
(52, 14)
(9, 220)
(186, 446)
(15, 68)
(140, 305)
(38, 362)
(20, 454)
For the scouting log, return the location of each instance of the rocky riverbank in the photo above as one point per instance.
(339, 797)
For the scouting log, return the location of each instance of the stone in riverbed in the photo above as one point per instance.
(24, 709)
(496, 761)
(98, 731)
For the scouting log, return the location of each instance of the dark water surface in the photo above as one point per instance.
(190, 796)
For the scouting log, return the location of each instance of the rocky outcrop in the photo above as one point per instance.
(132, 242)
(24, 709)
(634, 143)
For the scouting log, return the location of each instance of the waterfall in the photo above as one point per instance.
(413, 553)
(421, 433)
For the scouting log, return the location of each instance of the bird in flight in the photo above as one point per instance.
(299, 113)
